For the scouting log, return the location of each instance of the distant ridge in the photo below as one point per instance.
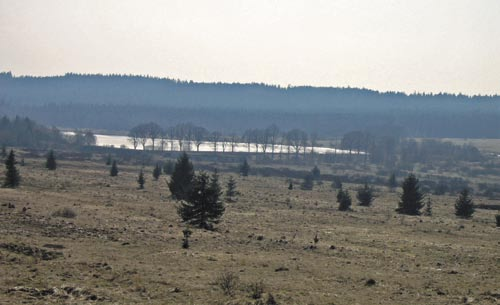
(70, 75)
(117, 102)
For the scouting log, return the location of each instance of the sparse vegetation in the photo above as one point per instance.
(255, 234)
(64, 212)
(256, 289)
(228, 282)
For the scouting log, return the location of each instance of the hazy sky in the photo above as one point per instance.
(412, 45)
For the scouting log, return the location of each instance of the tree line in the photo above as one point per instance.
(24, 132)
(107, 102)
(188, 137)
(389, 147)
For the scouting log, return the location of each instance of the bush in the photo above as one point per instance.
(497, 217)
(64, 212)
(227, 281)
(256, 289)
(271, 300)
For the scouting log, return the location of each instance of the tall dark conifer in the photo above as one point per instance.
(12, 178)
(231, 189)
(141, 180)
(157, 171)
(464, 206)
(51, 164)
(202, 206)
(412, 198)
(365, 195)
(181, 180)
(114, 169)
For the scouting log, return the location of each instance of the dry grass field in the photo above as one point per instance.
(124, 245)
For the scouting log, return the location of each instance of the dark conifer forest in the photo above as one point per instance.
(119, 102)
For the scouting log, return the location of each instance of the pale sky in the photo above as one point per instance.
(412, 45)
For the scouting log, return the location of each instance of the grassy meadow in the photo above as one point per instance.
(124, 245)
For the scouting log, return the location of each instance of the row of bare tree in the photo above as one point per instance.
(186, 135)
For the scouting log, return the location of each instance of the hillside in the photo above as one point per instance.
(106, 101)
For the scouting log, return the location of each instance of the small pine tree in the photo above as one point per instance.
(22, 163)
(411, 199)
(290, 185)
(365, 196)
(202, 206)
(114, 169)
(181, 180)
(316, 173)
(231, 189)
(344, 200)
(51, 164)
(157, 172)
(428, 207)
(12, 178)
(392, 182)
(4, 151)
(168, 167)
(308, 183)
(244, 168)
(141, 180)
(464, 206)
(109, 160)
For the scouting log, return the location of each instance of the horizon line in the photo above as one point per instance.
(278, 86)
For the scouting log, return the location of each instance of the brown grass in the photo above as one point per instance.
(125, 245)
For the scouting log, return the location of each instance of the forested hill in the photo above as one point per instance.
(75, 100)
(140, 90)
